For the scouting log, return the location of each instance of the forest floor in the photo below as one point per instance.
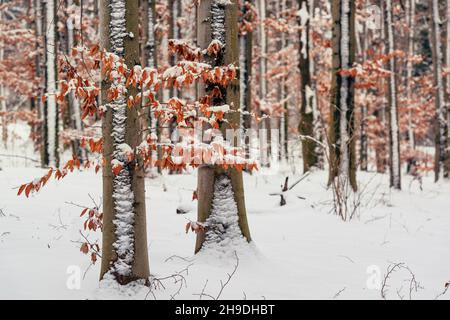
(299, 251)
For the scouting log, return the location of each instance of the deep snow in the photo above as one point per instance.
(300, 251)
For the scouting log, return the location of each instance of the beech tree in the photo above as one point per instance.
(217, 22)
(442, 158)
(306, 125)
(124, 252)
(50, 114)
(245, 62)
(392, 108)
(342, 127)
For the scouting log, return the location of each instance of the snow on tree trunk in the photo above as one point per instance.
(306, 125)
(263, 48)
(51, 119)
(245, 64)
(217, 21)
(363, 161)
(75, 105)
(411, 11)
(342, 148)
(284, 119)
(344, 88)
(394, 137)
(124, 254)
(441, 109)
(447, 46)
(3, 101)
(151, 44)
(447, 63)
(150, 60)
(223, 231)
(122, 194)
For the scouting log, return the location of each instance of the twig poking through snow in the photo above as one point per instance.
(339, 292)
(222, 284)
(414, 285)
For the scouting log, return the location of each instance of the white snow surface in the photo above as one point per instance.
(299, 251)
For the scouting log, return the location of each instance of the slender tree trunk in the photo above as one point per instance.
(447, 79)
(217, 20)
(363, 161)
(411, 13)
(124, 253)
(342, 128)
(266, 123)
(447, 64)
(40, 132)
(441, 152)
(150, 56)
(51, 112)
(245, 62)
(74, 106)
(306, 125)
(3, 96)
(392, 112)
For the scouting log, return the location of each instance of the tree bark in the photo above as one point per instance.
(74, 105)
(363, 154)
(246, 57)
(51, 113)
(124, 193)
(342, 127)
(392, 112)
(441, 138)
(306, 125)
(210, 27)
(411, 13)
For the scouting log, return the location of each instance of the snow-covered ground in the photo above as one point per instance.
(300, 251)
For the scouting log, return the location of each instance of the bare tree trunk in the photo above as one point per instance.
(149, 56)
(266, 123)
(441, 152)
(74, 106)
(124, 253)
(363, 154)
(245, 58)
(306, 125)
(411, 14)
(217, 20)
(51, 113)
(392, 112)
(342, 128)
(3, 95)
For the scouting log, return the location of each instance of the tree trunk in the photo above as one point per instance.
(392, 112)
(124, 252)
(51, 113)
(441, 156)
(245, 63)
(411, 13)
(149, 57)
(447, 64)
(342, 127)
(218, 21)
(74, 105)
(363, 154)
(306, 125)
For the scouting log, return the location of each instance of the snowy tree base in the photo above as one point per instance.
(223, 235)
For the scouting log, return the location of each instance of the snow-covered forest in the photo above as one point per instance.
(224, 149)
